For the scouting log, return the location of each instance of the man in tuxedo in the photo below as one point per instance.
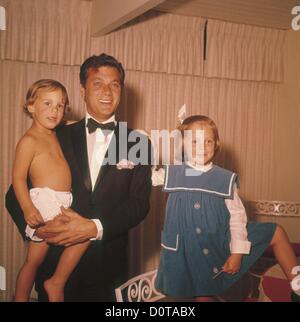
(107, 200)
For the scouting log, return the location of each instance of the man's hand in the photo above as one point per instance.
(68, 229)
(233, 264)
(44, 232)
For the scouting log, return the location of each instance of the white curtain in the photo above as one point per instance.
(47, 31)
(243, 52)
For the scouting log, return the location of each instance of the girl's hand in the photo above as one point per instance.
(233, 264)
(33, 217)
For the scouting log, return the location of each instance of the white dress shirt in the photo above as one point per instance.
(97, 145)
(239, 243)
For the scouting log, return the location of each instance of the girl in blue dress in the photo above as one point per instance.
(207, 244)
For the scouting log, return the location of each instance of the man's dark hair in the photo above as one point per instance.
(95, 62)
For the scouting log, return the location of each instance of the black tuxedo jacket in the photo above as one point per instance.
(120, 200)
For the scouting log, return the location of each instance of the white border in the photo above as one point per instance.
(199, 189)
(171, 248)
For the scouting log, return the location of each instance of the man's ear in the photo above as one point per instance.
(82, 91)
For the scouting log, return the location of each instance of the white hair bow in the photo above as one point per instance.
(181, 115)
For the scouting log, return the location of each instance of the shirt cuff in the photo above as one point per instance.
(30, 233)
(240, 247)
(99, 229)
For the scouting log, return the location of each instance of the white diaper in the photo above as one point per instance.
(48, 203)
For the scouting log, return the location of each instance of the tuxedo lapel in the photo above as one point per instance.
(102, 172)
(105, 167)
(80, 150)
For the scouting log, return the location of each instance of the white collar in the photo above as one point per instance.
(203, 168)
(111, 119)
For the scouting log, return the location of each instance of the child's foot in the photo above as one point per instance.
(54, 290)
(295, 297)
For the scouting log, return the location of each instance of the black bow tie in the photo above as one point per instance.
(93, 125)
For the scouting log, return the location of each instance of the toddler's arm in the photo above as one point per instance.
(23, 158)
(238, 222)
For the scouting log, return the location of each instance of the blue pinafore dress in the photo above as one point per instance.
(196, 234)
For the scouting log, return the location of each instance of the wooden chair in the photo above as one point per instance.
(140, 288)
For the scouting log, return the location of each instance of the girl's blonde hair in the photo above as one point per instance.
(203, 120)
(46, 84)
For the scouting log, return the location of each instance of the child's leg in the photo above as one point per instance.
(68, 261)
(284, 252)
(35, 256)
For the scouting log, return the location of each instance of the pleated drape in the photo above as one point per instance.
(244, 52)
(47, 31)
(157, 42)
